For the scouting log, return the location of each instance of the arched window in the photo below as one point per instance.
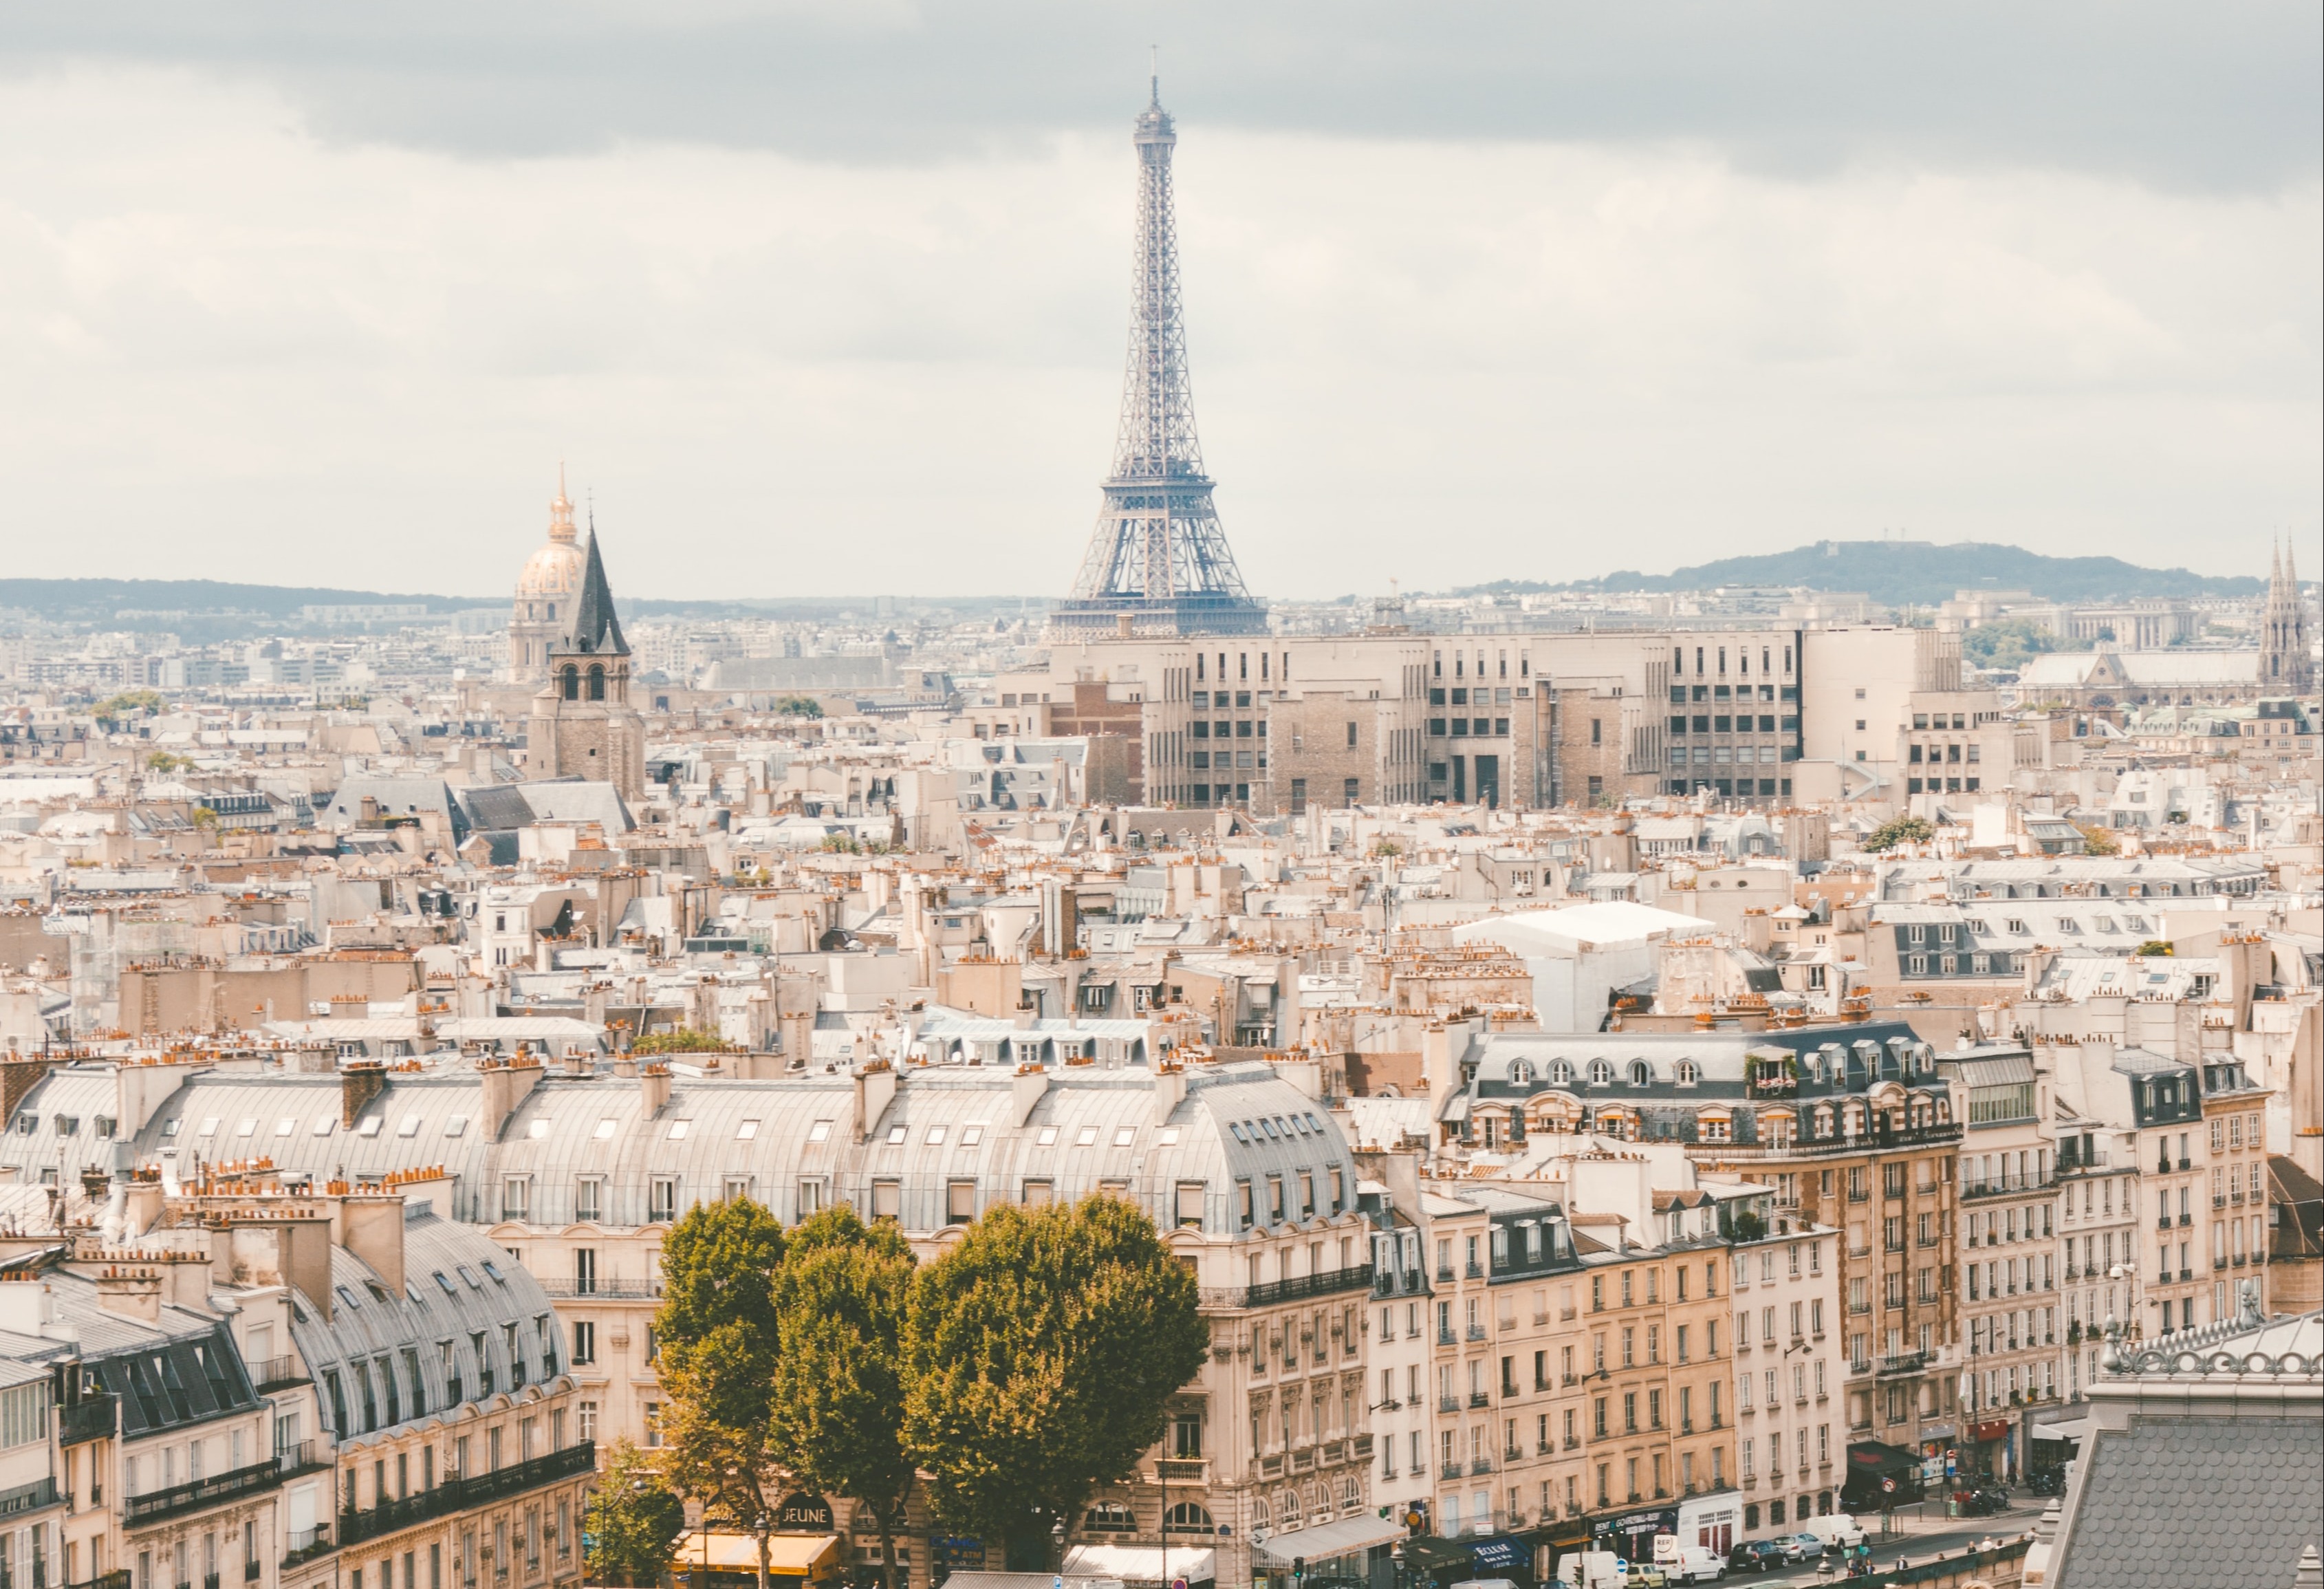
(1348, 1497)
(1259, 1513)
(1685, 1074)
(1600, 1074)
(1520, 1073)
(1286, 1509)
(571, 678)
(1110, 1517)
(1642, 1075)
(1560, 1074)
(596, 682)
(1186, 1517)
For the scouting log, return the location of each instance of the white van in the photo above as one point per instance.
(1838, 1532)
(1696, 1563)
(1591, 1569)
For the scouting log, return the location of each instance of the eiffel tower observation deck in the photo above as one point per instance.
(1157, 562)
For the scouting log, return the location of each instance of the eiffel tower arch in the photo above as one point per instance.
(1157, 561)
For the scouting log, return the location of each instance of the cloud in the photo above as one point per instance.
(250, 343)
(2215, 95)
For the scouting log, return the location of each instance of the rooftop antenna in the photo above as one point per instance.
(1154, 70)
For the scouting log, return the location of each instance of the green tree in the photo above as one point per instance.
(2154, 947)
(1041, 1354)
(799, 705)
(2009, 642)
(720, 1339)
(164, 762)
(842, 1296)
(684, 1040)
(2098, 841)
(634, 1520)
(1902, 830)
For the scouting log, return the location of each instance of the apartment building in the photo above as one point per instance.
(1851, 1126)
(2014, 1319)
(2164, 1108)
(1790, 1432)
(2098, 1226)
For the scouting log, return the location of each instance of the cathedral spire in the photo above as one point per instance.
(597, 631)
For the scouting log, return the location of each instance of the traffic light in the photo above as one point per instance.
(1298, 1568)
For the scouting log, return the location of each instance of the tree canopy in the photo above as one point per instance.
(1899, 831)
(1041, 1354)
(842, 1296)
(634, 1520)
(720, 1340)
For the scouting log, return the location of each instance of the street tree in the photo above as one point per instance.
(1040, 1355)
(719, 1338)
(634, 1520)
(842, 1296)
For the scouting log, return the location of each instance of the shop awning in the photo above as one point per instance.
(1144, 1564)
(1325, 1540)
(2065, 1428)
(1871, 1456)
(795, 1556)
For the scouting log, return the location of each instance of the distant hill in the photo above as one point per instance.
(1920, 573)
(203, 610)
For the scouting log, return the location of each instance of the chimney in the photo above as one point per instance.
(131, 1291)
(875, 1087)
(25, 1305)
(1026, 1092)
(142, 1206)
(371, 1227)
(653, 1088)
(290, 1250)
(505, 1086)
(360, 1085)
(1169, 1090)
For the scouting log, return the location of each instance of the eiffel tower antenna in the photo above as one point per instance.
(1157, 558)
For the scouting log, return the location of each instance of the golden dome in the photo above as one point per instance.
(556, 568)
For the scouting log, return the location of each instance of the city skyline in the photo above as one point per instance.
(1448, 332)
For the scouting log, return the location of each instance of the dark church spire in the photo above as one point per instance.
(596, 630)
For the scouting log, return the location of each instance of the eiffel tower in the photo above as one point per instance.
(1157, 562)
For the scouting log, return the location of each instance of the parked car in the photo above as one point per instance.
(1804, 1546)
(1759, 1556)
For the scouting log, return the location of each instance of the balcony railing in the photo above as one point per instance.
(1181, 1470)
(92, 1418)
(30, 1497)
(458, 1493)
(117, 1579)
(1330, 1282)
(215, 1490)
(1387, 1283)
(275, 1373)
(577, 1285)
(1904, 1362)
(305, 1544)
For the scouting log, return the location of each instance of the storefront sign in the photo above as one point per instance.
(1665, 1520)
(802, 1513)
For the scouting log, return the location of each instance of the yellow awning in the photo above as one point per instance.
(796, 1555)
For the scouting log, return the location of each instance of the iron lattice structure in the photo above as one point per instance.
(1157, 558)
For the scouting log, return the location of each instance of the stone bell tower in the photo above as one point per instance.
(582, 725)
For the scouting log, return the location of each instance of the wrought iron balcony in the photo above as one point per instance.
(460, 1493)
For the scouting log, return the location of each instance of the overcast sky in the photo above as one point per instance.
(831, 297)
